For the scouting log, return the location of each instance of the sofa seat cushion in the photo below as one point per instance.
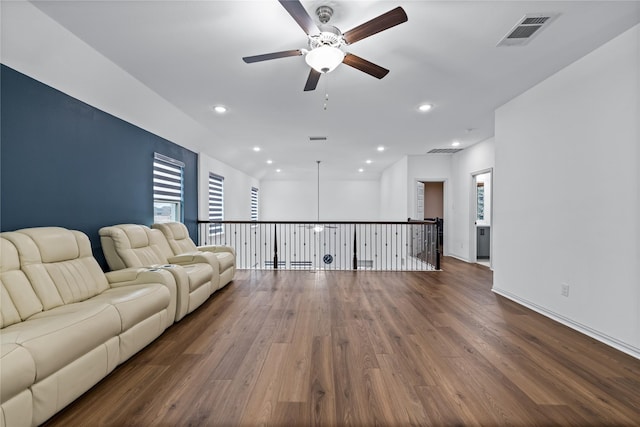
(18, 370)
(56, 337)
(136, 302)
(199, 274)
(226, 259)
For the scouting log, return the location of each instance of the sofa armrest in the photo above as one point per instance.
(217, 248)
(142, 275)
(193, 258)
(138, 276)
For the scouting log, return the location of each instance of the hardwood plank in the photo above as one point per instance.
(406, 404)
(261, 406)
(322, 399)
(295, 385)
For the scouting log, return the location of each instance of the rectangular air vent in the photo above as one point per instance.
(526, 28)
(444, 150)
(301, 264)
(317, 138)
(365, 263)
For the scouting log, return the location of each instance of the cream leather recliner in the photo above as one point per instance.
(177, 235)
(133, 245)
(64, 323)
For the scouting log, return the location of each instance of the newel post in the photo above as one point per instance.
(275, 247)
(355, 250)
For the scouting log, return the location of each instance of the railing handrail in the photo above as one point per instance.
(320, 222)
(380, 245)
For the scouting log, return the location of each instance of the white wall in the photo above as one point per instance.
(464, 164)
(394, 192)
(340, 200)
(237, 189)
(566, 189)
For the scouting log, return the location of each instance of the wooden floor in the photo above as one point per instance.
(364, 349)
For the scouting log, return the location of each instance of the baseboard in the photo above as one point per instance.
(464, 260)
(459, 258)
(596, 335)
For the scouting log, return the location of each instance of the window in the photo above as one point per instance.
(480, 201)
(167, 189)
(254, 204)
(216, 205)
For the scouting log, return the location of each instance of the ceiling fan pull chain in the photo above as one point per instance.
(326, 92)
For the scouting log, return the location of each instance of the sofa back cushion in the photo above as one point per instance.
(18, 300)
(59, 264)
(130, 245)
(177, 236)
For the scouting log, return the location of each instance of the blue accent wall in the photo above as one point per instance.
(65, 163)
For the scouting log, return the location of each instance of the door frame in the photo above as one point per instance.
(473, 209)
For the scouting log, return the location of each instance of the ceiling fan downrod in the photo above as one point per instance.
(324, 13)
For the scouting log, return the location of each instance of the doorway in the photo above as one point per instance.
(482, 197)
(433, 202)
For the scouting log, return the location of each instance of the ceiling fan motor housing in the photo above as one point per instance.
(329, 36)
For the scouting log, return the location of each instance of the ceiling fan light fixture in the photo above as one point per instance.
(324, 59)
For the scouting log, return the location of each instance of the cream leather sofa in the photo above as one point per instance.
(177, 235)
(132, 245)
(65, 324)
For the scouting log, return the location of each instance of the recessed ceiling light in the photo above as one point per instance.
(269, 161)
(278, 170)
(455, 143)
(368, 161)
(380, 148)
(360, 170)
(220, 109)
(425, 107)
(256, 149)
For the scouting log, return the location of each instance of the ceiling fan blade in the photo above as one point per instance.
(383, 22)
(312, 80)
(300, 15)
(274, 55)
(365, 66)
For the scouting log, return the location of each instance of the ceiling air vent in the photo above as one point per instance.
(317, 138)
(529, 26)
(444, 150)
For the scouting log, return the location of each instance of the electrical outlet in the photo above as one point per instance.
(564, 290)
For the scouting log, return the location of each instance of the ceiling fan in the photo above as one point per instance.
(325, 41)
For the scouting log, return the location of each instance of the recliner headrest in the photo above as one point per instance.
(127, 236)
(46, 244)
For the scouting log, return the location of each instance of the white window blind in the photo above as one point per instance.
(216, 202)
(167, 188)
(254, 204)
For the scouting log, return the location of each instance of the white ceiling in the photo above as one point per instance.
(190, 54)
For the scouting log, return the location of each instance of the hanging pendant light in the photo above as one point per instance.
(318, 228)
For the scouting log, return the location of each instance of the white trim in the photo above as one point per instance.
(597, 335)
